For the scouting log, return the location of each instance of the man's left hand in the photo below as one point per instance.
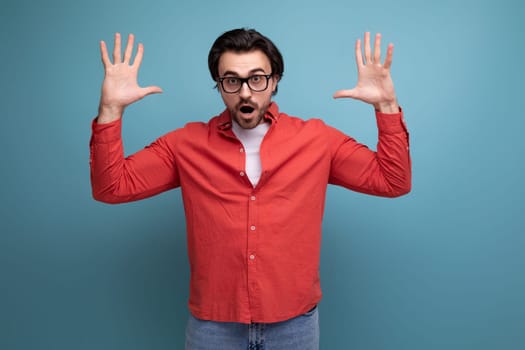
(374, 83)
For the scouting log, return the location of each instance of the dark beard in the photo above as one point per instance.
(237, 115)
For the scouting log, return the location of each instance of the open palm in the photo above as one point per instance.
(120, 87)
(374, 82)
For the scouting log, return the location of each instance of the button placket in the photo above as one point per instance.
(252, 237)
(242, 162)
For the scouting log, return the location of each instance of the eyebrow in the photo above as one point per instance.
(255, 70)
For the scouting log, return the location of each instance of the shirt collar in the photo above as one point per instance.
(272, 114)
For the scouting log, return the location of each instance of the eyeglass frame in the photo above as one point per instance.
(245, 80)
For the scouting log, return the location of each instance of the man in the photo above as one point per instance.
(253, 183)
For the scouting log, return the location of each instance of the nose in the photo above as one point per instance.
(245, 90)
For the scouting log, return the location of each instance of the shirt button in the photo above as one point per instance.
(241, 173)
(252, 228)
(252, 198)
(252, 257)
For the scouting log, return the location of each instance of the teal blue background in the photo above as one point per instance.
(441, 268)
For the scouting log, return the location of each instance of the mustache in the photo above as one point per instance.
(247, 103)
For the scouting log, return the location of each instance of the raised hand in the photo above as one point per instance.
(374, 83)
(120, 87)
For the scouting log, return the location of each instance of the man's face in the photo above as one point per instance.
(246, 107)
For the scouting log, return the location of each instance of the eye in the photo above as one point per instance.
(256, 79)
(232, 81)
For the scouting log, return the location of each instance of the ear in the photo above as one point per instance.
(276, 79)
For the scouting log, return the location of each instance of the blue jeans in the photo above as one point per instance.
(298, 333)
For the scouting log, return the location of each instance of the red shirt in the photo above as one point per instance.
(254, 252)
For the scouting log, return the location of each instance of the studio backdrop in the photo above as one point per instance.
(440, 268)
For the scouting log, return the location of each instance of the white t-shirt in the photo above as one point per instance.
(251, 140)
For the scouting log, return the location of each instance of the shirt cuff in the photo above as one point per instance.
(106, 133)
(391, 123)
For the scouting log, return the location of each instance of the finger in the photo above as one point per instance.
(151, 90)
(116, 49)
(358, 53)
(138, 56)
(129, 48)
(368, 55)
(351, 93)
(104, 54)
(377, 49)
(389, 54)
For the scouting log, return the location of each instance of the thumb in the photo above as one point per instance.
(151, 90)
(351, 93)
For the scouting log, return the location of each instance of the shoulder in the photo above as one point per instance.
(194, 129)
(293, 122)
(312, 132)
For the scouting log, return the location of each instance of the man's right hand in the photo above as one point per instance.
(120, 87)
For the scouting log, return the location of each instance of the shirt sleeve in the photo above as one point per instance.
(116, 179)
(386, 172)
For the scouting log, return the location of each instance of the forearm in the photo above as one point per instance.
(116, 179)
(106, 161)
(386, 172)
(388, 107)
(108, 114)
(393, 153)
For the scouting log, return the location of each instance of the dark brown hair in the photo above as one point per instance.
(244, 40)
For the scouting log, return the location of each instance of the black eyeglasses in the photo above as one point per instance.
(257, 83)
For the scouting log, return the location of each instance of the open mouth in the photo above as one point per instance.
(246, 109)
